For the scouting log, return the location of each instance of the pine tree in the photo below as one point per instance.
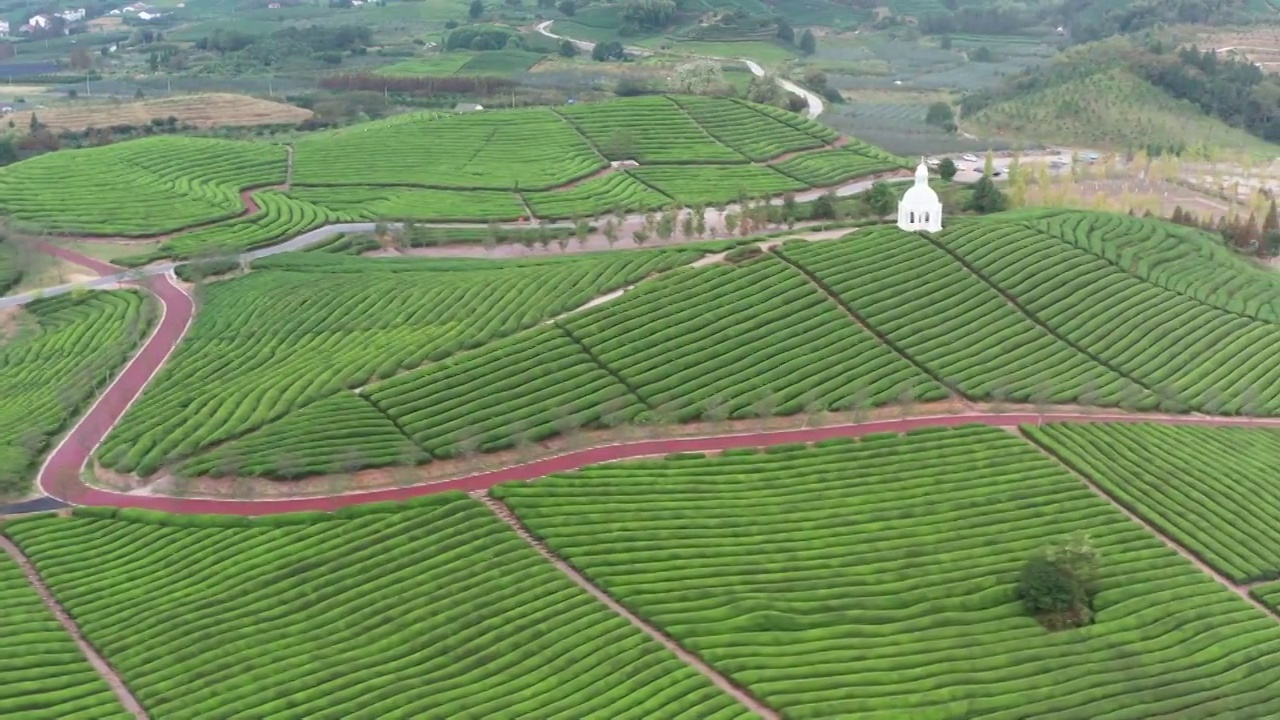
(1271, 223)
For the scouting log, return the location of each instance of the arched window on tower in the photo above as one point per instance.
(926, 217)
(913, 217)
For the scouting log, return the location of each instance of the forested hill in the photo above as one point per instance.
(1233, 91)
(1085, 20)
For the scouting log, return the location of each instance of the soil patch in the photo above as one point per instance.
(206, 110)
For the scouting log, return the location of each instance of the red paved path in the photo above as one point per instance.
(60, 475)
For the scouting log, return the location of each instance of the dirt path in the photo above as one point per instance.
(99, 663)
(1191, 557)
(735, 691)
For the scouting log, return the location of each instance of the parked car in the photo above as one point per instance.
(970, 157)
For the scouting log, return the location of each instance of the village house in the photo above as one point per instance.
(72, 15)
(4, 28)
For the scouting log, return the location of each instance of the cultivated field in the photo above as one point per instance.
(876, 579)
(303, 327)
(1041, 306)
(142, 187)
(200, 196)
(43, 675)
(1211, 489)
(433, 609)
(55, 356)
(209, 110)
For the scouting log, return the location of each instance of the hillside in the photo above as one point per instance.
(1126, 94)
(201, 195)
(1112, 109)
(878, 318)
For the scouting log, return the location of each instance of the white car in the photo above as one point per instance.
(969, 157)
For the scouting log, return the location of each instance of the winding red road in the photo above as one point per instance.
(60, 476)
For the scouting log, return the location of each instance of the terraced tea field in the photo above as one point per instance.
(956, 325)
(490, 166)
(430, 609)
(62, 351)
(43, 675)
(876, 579)
(142, 187)
(1211, 489)
(1190, 352)
(303, 327)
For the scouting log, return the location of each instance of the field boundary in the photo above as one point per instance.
(882, 338)
(96, 659)
(1241, 589)
(1027, 312)
(734, 690)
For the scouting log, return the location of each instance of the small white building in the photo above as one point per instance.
(72, 15)
(40, 21)
(920, 208)
(4, 28)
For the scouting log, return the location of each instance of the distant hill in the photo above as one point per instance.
(1113, 108)
(1123, 93)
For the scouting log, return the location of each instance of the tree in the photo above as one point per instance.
(567, 7)
(476, 10)
(568, 49)
(981, 54)
(785, 32)
(808, 43)
(986, 198)
(699, 77)
(1058, 583)
(764, 89)
(611, 50)
(81, 59)
(881, 199)
(989, 164)
(620, 145)
(1271, 223)
(139, 95)
(947, 169)
(941, 115)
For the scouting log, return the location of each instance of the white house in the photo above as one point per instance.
(4, 28)
(144, 15)
(920, 208)
(72, 15)
(40, 21)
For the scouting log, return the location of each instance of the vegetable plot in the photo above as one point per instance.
(692, 185)
(876, 579)
(431, 610)
(1213, 490)
(140, 187)
(62, 353)
(43, 675)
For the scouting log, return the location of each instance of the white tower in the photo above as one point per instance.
(920, 208)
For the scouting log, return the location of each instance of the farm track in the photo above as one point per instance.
(96, 660)
(731, 689)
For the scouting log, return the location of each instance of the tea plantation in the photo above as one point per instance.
(58, 353)
(432, 610)
(1213, 489)
(876, 578)
(43, 675)
(496, 166)
(1020, 307)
